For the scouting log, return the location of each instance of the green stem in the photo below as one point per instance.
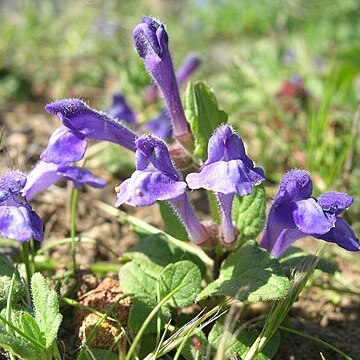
(55, 351)
(315, 339)
(214, 207)
(26, 260)
(74, 198)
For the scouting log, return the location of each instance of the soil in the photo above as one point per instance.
(326, 314)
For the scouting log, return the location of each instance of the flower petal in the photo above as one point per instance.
(342, 235)
(88, 123)
(283, 241)
(20, 223)
(335, 202)
(226, 177)
(40, 178)
(11, 183)
(153, 151)
(310, 218)
(295, 185)
(145, 188)
(80, 176)
(64, 146)
(280, 221)
(150, 38)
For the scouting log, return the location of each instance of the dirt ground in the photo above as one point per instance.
(334, 317)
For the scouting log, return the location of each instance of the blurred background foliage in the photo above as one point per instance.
(286, 71)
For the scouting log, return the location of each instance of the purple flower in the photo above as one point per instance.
(64, 146)
(46, 174)
(155, 178)
(161, 125)
(82, 123)
(120, 110)
(188, 67)
(151, 43)
(18, 220)
(294, 214)
(227, 171)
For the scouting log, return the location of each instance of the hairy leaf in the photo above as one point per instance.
(46, 308)
(139, 278)
(250, 273)
(16, 345)
(183, 274)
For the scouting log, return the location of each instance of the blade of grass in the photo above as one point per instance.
(188, 330)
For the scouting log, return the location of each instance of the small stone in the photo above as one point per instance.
(105, 296)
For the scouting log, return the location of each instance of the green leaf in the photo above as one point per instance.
(46, 308)
(241, 344)
(139, 279)
(184, 274)
(140, 310)
(173, 225)
(249, 213)
(23, 349)
(250, 273)
(203, 114)
(160, 251)
(6, 271)
(27, 324)
(295, 257)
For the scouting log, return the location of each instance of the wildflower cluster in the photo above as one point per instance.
(227, 171)
(188, 148)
